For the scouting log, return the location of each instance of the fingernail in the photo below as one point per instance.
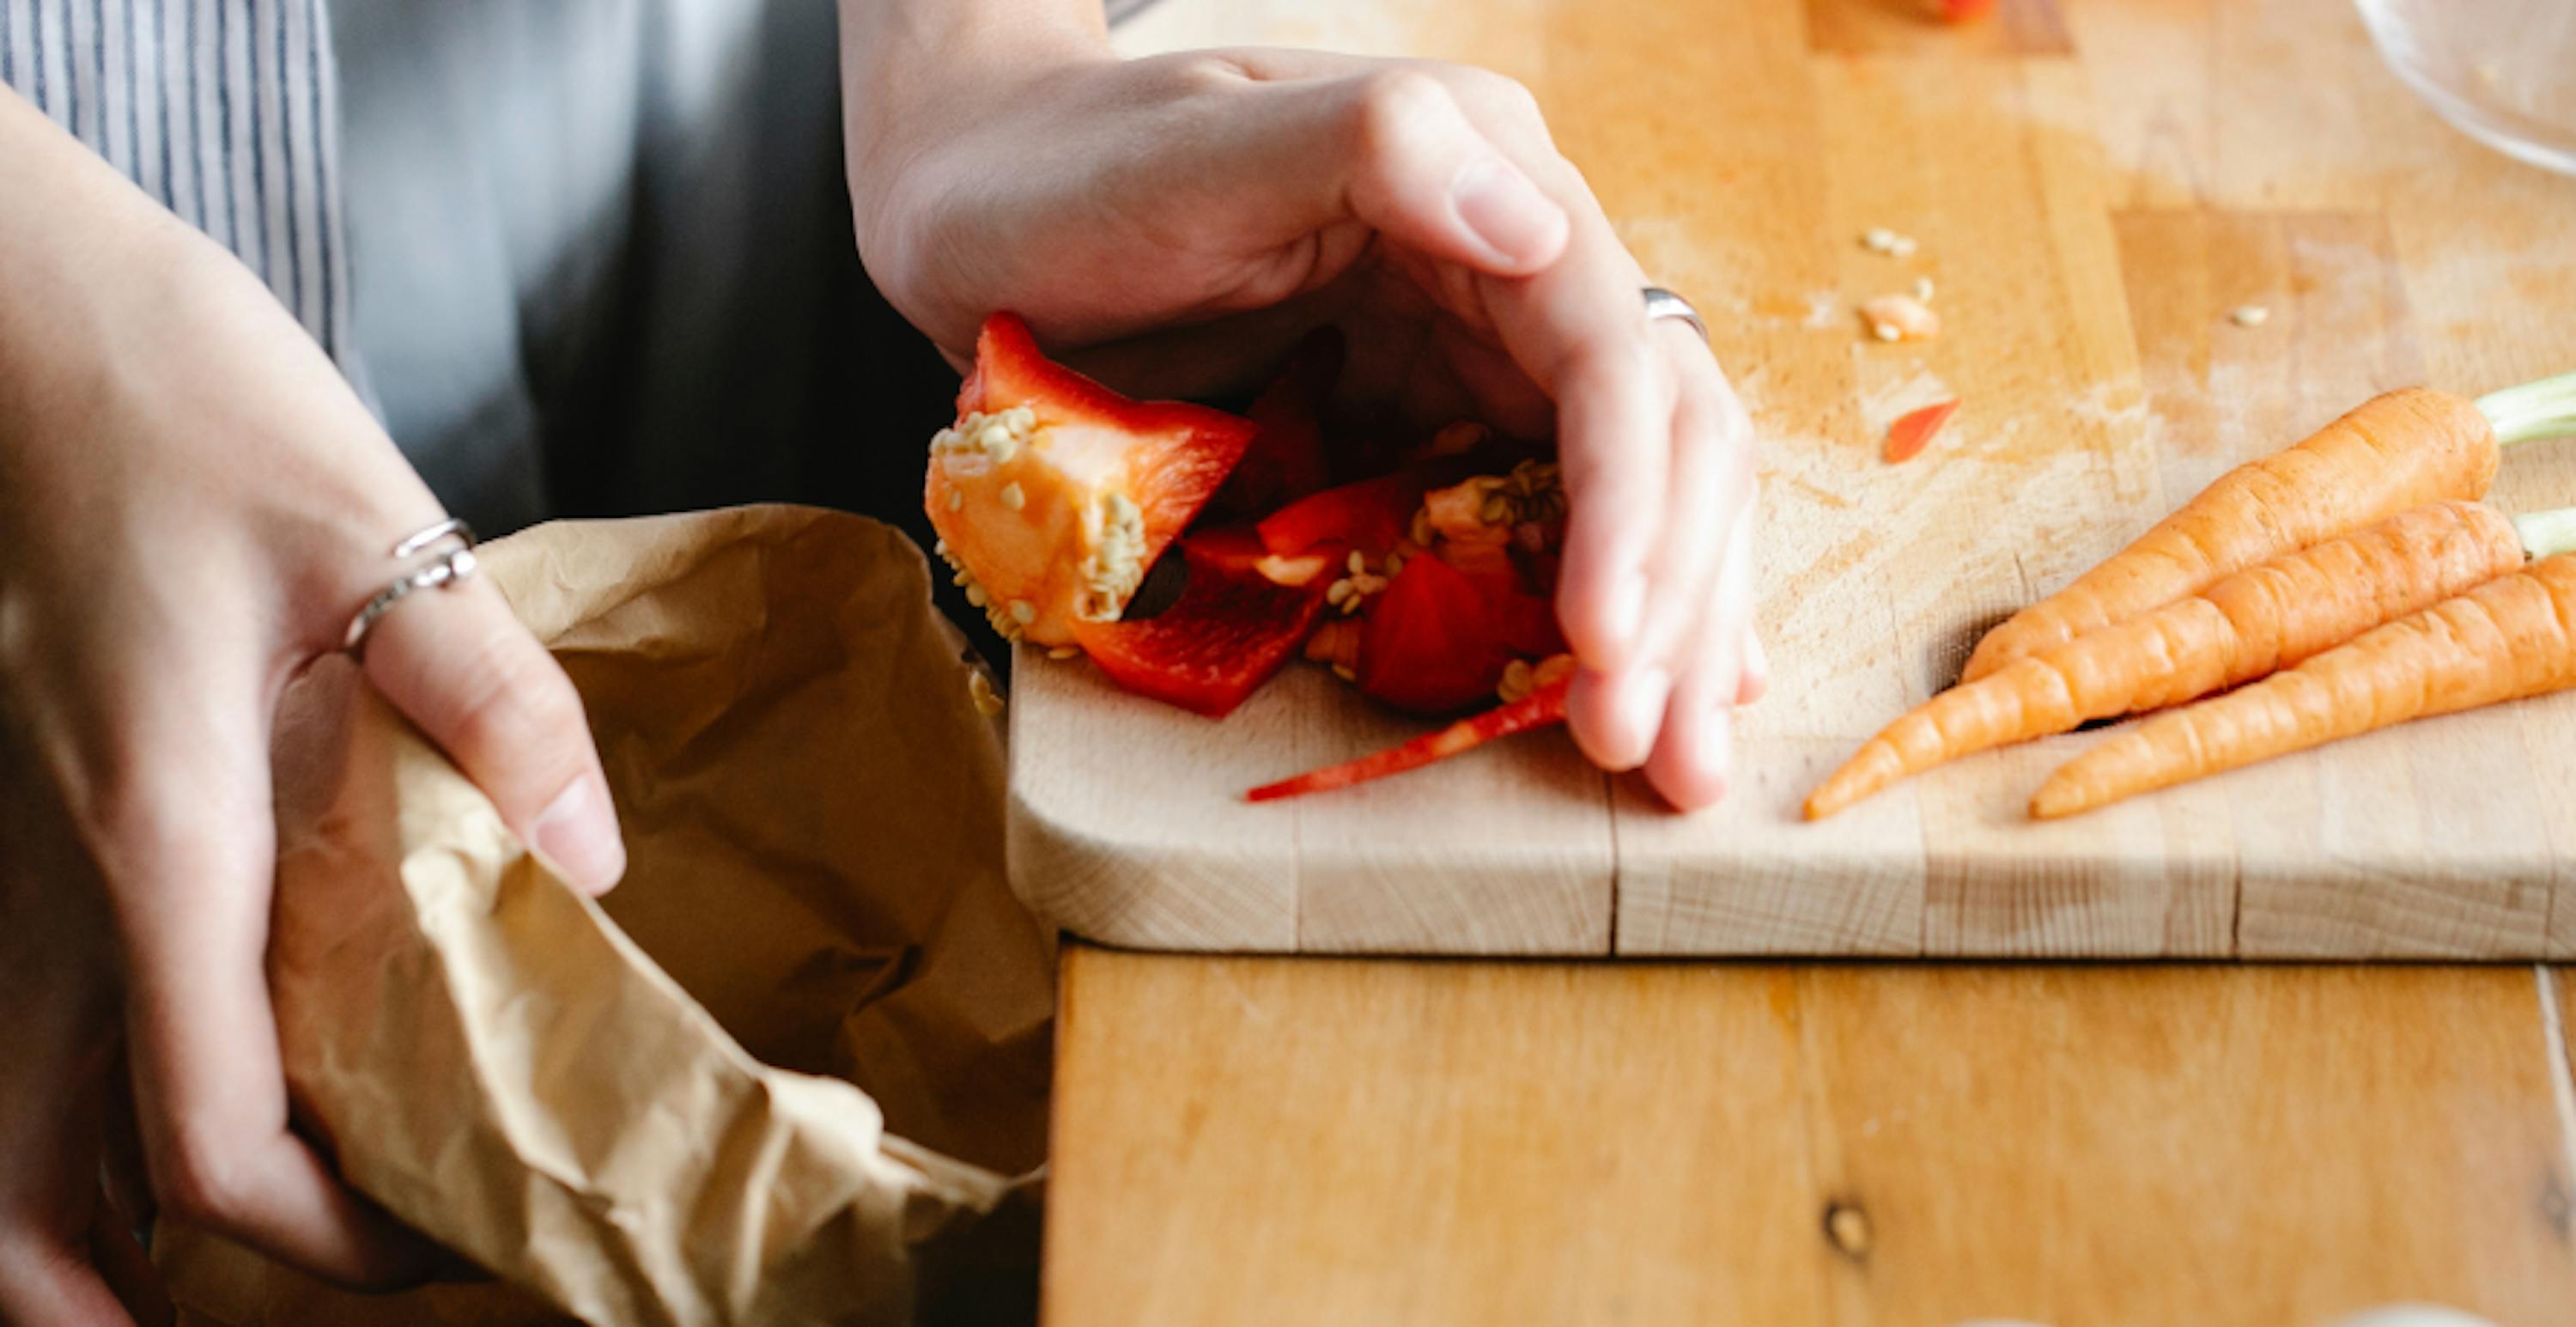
(577, 834)
(1521, 225)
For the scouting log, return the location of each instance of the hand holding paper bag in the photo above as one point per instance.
(813, 812)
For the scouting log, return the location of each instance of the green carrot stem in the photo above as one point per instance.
(2543, 409)
(2547, 533)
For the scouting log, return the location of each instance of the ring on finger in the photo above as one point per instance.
(453, 564)
(1662, 303)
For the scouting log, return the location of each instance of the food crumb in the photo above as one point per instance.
(979, 689)
(2249, 315)
(1062, 652)
(1900, 318)
(1923, 289)
(1879, 239)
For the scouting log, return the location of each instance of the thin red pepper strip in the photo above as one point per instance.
(1910, 434)
(1538, 709)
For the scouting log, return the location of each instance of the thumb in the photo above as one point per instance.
(1393, 149)
(462, 667)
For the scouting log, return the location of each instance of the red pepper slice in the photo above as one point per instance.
(1287, 460)
(1488, 566)
(1529, 626)
(1910, 434)
(1238, 550)
(1431, 641)
(1230, 631)
(1181, 453)
(1538, 709)
(1960, 11)
(1370, 516)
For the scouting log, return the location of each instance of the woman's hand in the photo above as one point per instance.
(1175, 223)
(194, 505)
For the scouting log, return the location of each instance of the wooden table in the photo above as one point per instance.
(1299, 1140)
(1306, 1140)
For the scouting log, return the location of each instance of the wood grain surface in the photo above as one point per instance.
(2093, 186)
(1263, 1140)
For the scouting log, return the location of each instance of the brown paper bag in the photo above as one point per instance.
(781, 1073)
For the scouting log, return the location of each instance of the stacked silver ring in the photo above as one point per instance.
(451, 566)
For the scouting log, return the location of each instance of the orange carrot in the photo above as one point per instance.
(1912, 432)
(2512, 637)
(2396, 451)
(2245, 626)
(1538, 709)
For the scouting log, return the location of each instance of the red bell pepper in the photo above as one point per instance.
(1371, 516)
(1178, 454)
(1488, 566)
(1431, 642)
(1523, 616)
(1287, 460)
(1529, 625)
(1230, 631)
(1538, 709)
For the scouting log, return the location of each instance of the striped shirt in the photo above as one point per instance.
(224, 110)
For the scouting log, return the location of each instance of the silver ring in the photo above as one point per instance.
(449, 569)
(1662, 303)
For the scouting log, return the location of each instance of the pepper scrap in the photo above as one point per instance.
(1229, 632)
(1371, 516)
(1052, 494)
(1538, 709)
(1431, 642)
(1912, 432)
(1238, 548)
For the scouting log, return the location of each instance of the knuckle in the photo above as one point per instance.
(196, 1179)
(1500, 95)
(141, 826)
(1396, 108)
(1194, 73)
(1615, 358)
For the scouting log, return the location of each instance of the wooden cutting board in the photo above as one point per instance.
(2094, 187)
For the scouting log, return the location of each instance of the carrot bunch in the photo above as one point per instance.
(2362, 542)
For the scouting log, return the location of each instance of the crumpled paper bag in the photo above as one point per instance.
(781, 1073)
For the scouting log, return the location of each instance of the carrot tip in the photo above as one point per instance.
(2055, 801)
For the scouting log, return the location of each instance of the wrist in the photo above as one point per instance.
(919, 74)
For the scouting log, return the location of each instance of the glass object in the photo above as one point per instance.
(2503, 71)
